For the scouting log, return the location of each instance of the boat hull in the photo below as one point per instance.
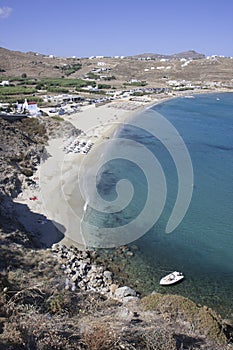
(172, 278)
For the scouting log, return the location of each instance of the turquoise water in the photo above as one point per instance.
(202, 245)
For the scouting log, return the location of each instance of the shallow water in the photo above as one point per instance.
(201, 246)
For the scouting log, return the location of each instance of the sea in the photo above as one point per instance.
(201, 245)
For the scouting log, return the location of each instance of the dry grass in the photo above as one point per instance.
(99, 336)
(159, 339)
(36, 312)
(175, 307)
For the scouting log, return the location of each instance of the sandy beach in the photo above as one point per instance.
(55, 191)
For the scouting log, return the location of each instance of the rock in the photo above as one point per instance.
(75, 277)
(129, 299)
(113, 288)
(85, 255)
(129, 253)
(104, 290)
(83, 267)
(123, 292)
(86, 276)
(55, 247)
(108, 275)
(228, 322)
(82, 285)
(73, 287)
(124, 313)
(94, 269)
(134, 247)
(67, 284)
(154, 292)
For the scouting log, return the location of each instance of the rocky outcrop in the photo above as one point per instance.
(21, 147)
(125, 294)
(84, 273)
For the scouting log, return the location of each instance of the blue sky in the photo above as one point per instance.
(123, 27)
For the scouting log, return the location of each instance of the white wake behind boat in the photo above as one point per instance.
(172, 278)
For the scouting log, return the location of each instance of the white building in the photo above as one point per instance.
(5, 83)
(101, 64)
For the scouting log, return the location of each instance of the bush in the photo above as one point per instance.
(16, 90)
(110, 78)
(57, 89)
(99, 336)
(70, 69)
(137, 83)
(104, 86)
(27, 172)
(34, 128)
(174, 307)
(159, 339)
(59, 119)
(92, 75)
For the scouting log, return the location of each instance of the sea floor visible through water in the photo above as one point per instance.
(201, 246)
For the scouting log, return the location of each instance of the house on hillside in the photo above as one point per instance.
(33, 108)
(30, 108)
(5, 83)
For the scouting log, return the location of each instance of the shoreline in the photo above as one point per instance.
(54, 202)
(58, 198)
(50, 207)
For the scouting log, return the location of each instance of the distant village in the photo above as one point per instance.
(58, 104)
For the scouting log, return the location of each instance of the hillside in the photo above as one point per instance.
(16, 63)
(57, 297)
(156, 71)
(191, 54)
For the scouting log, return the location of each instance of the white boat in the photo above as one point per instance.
(172, 278)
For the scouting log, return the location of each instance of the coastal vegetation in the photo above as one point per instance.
(38, 308)
(175, 307)
(16, 90)
(104, 86)
(137, 83)
(23, 87)
(57, 118)
(70, 68)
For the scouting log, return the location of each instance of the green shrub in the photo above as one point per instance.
(92, 75)
(174, 306)
(104, 86)
(59, 119)
(16, 90)
(55, 303)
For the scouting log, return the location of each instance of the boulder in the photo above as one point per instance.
(123, 292)
(108, 275)
(129, 299)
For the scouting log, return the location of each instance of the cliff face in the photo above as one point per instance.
(21, 146)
